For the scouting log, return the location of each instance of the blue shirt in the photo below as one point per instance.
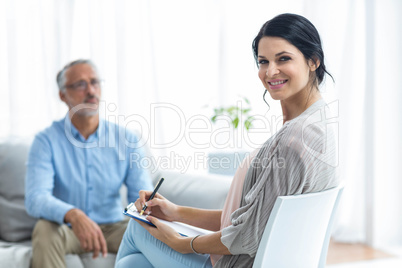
(65, 171)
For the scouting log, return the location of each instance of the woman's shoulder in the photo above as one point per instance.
(312, 131)
(311, 123)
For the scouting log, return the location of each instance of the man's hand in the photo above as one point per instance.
(87, 231)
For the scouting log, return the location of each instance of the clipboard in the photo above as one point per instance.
(182, 228)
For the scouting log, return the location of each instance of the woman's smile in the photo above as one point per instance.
(283, 69)
(276, 83)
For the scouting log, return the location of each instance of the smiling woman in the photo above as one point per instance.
(283, 70)
(291, 62)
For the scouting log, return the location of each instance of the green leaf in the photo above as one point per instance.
(235, 122)
(247, 125)
(231, 109)
(234, 112)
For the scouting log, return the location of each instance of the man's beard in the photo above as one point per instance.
(86, 108)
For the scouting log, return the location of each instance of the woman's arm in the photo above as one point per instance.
(202, 218)
(162, 208)
(209, 244)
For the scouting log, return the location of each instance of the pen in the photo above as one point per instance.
(153, 194)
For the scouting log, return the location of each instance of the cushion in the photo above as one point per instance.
(200, 190)
(15, 255)
(15, 224)
(99, 262)
(73, 261)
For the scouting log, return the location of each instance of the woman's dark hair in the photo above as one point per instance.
(301, 33)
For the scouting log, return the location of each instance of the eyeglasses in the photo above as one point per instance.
(83, 85)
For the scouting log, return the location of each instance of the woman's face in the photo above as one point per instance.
(283, 70)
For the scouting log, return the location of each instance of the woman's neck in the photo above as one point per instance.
(295, 106)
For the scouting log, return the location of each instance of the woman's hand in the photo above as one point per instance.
(159, 206)
(165, 233)
(209, 243)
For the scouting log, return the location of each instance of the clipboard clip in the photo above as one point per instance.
(129, 207)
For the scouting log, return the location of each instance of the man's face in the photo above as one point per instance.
(82, 90)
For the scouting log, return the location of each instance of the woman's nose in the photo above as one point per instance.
(272, 70)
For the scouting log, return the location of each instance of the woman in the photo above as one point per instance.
(298, 159)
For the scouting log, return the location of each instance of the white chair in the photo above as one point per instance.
(298, 231)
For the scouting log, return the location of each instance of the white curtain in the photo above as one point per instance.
(167, 64)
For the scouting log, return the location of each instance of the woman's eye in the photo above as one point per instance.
(284, 58)
(262, 62)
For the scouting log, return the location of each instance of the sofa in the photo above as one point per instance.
(203, 190)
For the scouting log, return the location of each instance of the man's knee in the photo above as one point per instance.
(113, 234)
(46, 233)
(48, 241)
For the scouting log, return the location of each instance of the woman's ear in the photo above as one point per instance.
(313, 63)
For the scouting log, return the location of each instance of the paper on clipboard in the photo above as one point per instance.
(182, 228)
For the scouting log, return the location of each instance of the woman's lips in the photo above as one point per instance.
(277, 83)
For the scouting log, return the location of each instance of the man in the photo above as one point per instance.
(75, 170)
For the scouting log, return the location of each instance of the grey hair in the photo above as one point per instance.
(61, 75)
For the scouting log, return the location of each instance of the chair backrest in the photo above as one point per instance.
(298, 230)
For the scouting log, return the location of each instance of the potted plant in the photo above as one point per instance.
(229, 155)
(236, 114)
